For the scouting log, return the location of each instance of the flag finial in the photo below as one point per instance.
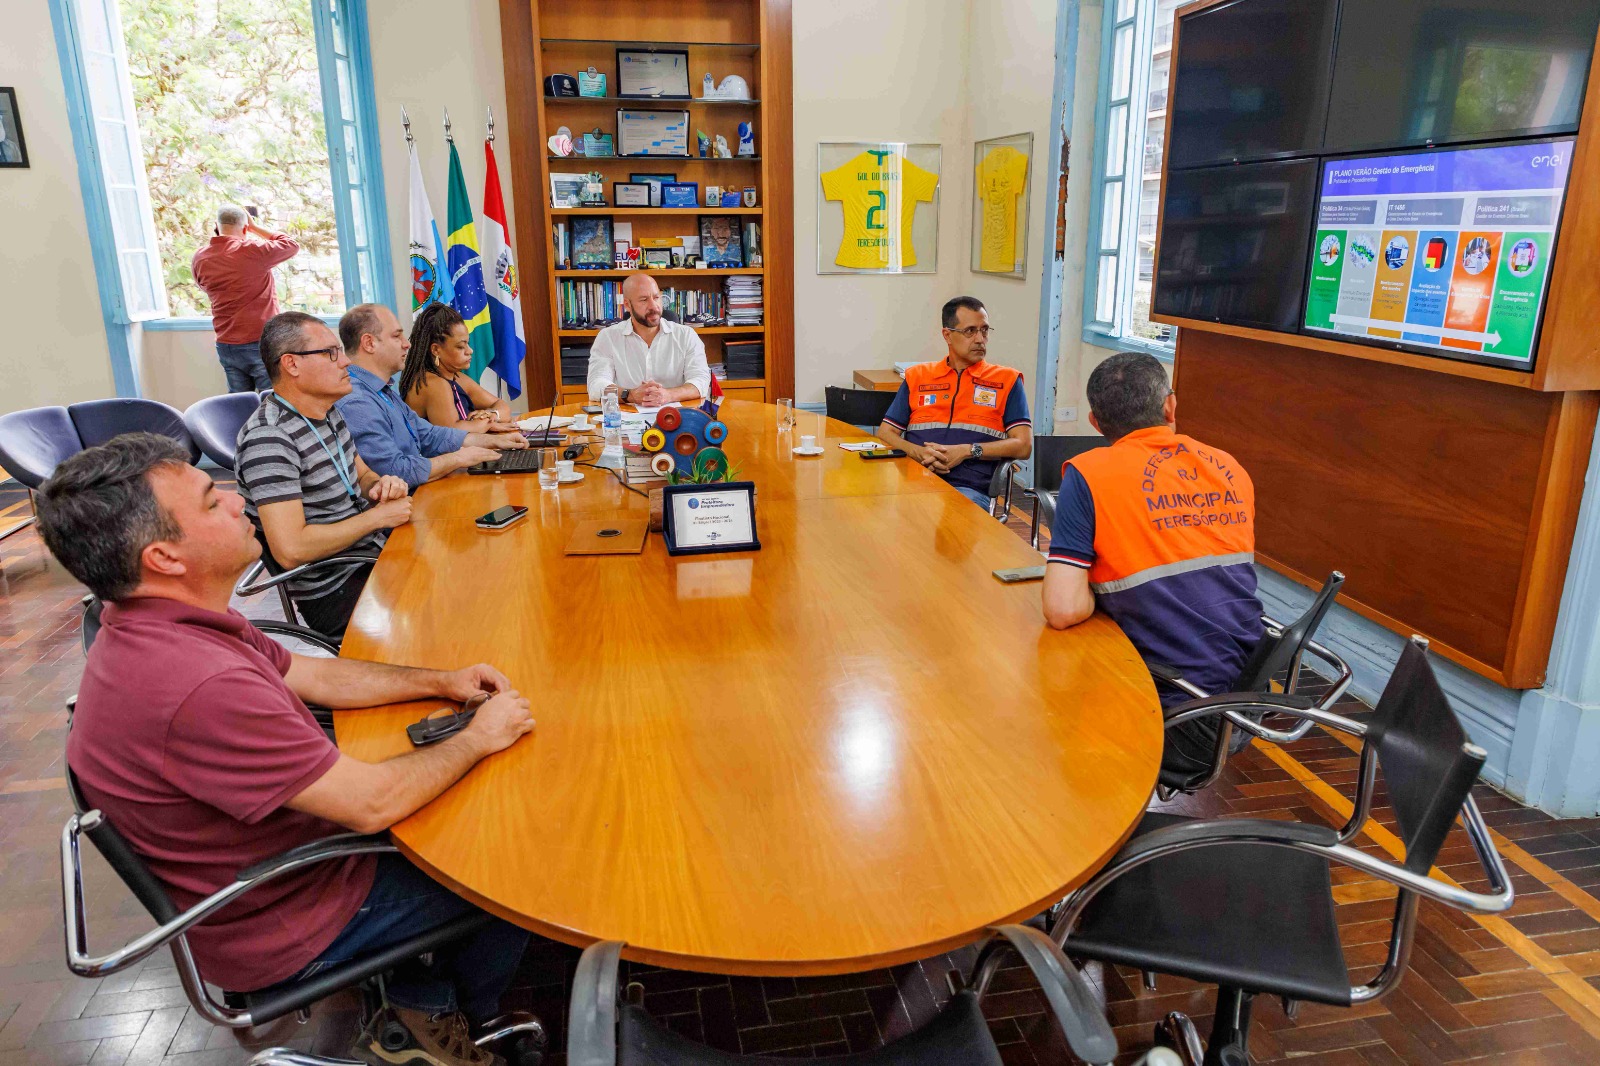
(405, 120)
(447, 135)
(490, 112)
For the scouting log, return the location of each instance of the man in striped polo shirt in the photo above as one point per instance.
(305, 488)
(1158, 531)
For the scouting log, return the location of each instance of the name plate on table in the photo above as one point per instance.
(710, 518)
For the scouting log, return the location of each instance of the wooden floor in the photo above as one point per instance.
(1523, 989)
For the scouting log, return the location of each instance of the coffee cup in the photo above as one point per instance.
(807, 442)
(564, 468)
(580, 421)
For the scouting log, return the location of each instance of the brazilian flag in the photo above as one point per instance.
(471, 300)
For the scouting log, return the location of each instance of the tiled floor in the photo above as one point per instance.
(1523, 989)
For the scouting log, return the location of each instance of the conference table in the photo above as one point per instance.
(852, 748)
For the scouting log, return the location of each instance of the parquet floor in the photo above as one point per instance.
(1523, 989)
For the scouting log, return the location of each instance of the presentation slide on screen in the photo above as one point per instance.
(1448, 250)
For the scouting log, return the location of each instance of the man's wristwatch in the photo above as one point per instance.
(625, 394)
(977, 451)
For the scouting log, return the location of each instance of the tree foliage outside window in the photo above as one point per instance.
(229, 105)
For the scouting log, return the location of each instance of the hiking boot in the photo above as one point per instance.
(400, 1037)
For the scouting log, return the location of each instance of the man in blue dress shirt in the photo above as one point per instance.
(390, 437)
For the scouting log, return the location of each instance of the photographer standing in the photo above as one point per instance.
(235, 270)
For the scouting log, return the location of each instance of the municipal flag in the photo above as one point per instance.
(428, 281)
(466, 271)
(505, 297)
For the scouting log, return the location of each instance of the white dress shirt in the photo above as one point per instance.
(620, 357)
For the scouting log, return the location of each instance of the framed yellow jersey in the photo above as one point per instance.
(888, 208)
(1000, 205)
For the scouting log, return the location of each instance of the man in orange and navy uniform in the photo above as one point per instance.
(1158, 531)
(961, 416)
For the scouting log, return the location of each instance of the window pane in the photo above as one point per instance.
(1158, 84)
(240, 121)
(1124, 9)
(358, 216)
(369, 288)
(1116, 140)
(338, 29)
(137, 287)
(92, 28)
(126, 225)
(115, 155)
(105, 91)
(1105, 298)
(352, 157)
(1154, 142)
(1111, 216)
(347, 99)
(1122, 62)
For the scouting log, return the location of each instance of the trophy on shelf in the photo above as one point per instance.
(747, 140)
(722, 148)
(593, 193)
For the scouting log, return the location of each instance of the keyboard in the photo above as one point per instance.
(525, 461)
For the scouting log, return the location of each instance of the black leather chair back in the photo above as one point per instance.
(34, 441)
(1427, 762)
(1050, 453)
(1273, 656)
(98, 421)
(859, 407)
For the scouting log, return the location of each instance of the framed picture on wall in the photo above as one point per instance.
(720, 242)
(877, 207)
(1002, 169)
(13, 149)
(592, 242)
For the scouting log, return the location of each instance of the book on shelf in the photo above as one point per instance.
(596, 304)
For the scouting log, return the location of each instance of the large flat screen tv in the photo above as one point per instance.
(1421, 72)
(1252, 81)
(1444, 252)
(1234, 242)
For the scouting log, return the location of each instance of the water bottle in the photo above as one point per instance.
(611, 421)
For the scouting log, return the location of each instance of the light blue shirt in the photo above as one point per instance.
(390, 437)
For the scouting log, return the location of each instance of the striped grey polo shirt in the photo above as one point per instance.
(279, 459)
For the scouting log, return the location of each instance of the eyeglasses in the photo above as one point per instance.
(445, 722)
(972, 331)
(331, 352)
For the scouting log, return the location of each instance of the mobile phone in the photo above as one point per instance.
(591, 409)
(500, 517)
(1020, 573)
(883, 453)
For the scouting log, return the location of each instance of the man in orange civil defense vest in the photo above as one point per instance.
(961, 416)
(1158, 530)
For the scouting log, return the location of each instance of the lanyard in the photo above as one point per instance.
(346, 476)
(383, 394)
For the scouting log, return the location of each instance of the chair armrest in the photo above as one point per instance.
(592, 1017)
(1167, 674)
(175, 925)
(1006, 471)
(1077, 1011)
(343, 562)
(301, 633)
(1233, 704)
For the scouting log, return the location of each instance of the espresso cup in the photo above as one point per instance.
(807, 441)
(564, 468)
(580, 422)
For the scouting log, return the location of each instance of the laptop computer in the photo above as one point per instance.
(525, 461)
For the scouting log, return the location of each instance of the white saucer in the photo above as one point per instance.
(576, 477)
(810, 451)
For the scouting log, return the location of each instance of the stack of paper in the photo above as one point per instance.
(637, 470)
(744, 299)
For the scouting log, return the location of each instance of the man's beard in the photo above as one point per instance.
(643, 320)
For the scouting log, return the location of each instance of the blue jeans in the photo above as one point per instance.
(982, 500)
(469, 975)
(242, 365)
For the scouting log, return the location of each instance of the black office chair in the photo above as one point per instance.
(32, 443)
(278, 577)
(1278, 658)
(521, 1038)
(862, 408)
(603, 1032)
(1247, 904)
(215, 421)
(99, 421)
(1049, 454)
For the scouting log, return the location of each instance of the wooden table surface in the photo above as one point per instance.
(881, 380)
(850, 749)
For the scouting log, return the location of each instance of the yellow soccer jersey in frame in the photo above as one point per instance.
(1000, 205)
(878, 191)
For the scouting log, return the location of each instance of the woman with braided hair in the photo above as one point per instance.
(435, 383)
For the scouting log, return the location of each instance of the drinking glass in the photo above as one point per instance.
(549, 476)
(785, 413)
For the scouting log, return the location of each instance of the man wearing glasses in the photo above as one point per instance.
(305, 488)
(961, 416)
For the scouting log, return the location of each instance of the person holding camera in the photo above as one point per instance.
(235, 270)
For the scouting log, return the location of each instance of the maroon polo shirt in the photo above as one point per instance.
(236, 274)
(189, 740)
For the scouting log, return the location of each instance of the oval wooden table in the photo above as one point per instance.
(852, 748)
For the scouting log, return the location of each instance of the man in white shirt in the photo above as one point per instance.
(645, 359)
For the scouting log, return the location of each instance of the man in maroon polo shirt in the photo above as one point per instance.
(191, 734)
(235, 270)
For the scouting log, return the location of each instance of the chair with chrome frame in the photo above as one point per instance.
(33, 443)
(278, 576)
(1247, 904)
(602, 1031)
(520, 1038)
(1280, 654)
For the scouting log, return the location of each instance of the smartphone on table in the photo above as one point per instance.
(500, 517)
(883, 453)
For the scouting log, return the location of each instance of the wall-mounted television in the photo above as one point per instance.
(1253, 81)
(1233, 243)
(1442, 251)
(1424, 72)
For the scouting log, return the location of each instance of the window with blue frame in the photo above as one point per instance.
(266, 104)
(1130, 128)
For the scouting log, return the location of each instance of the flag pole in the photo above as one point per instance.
(490, 111)
(448, 138)
(499, 382)
(405, 120)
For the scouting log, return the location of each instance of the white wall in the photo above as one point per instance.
(55, 346)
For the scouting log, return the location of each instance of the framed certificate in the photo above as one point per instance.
(653, 75)
(699, 519)
(680, 194)
(653, 133)
(630, 194)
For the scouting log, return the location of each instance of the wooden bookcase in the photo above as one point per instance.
(750, 38)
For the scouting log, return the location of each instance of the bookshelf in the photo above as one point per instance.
(750, 38)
